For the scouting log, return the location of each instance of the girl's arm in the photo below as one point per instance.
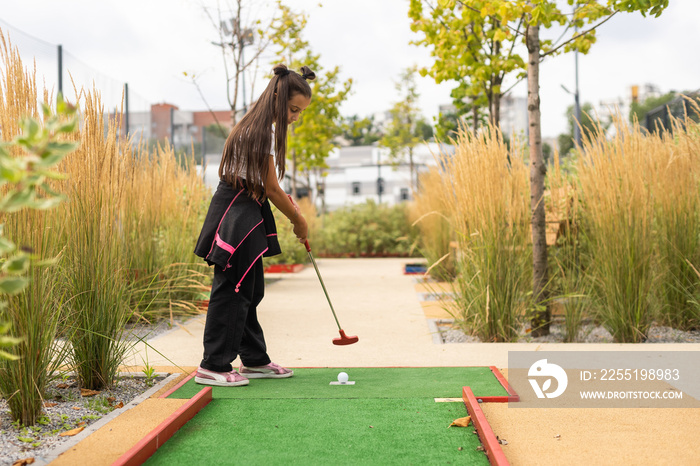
(279, 198)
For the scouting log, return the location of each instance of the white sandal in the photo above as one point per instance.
(270, 371)
(220, 379)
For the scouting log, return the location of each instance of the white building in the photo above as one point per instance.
(514, 118)
(357, 174)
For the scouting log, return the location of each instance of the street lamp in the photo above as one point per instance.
(577, 108)
(577, 103)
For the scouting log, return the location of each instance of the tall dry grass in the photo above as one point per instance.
(35, 314)
(431, 216)
(616, 176)
(676, 192)
(93, 263)
(629, 248)
(487, 195)
(138, 215)
(567, 258)
(164, 208)
(102, 237)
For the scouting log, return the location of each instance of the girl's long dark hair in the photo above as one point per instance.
(248, 146)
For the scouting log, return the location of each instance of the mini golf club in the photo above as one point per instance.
(344, 339)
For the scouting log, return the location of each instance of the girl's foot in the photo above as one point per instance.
(270, 371)
(220, 379)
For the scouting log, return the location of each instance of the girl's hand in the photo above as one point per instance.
(285, 203)
(301, 229)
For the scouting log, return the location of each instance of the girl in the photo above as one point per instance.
(239, 230)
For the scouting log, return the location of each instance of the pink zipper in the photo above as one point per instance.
(238, 285)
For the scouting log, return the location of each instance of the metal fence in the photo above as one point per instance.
(680, 109)
(58, 70)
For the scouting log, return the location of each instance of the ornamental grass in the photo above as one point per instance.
(675, 158)
(120, 246)
(35, 314)
(487, 196)
(430, 215)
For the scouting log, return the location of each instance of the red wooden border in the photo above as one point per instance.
(512, 395)
(148, 445)
(488, 438)
(284, 268)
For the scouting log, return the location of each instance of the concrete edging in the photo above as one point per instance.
(144, 449)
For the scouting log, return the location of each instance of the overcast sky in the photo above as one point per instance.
(150, 43)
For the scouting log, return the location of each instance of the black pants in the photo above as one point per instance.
(232, 327)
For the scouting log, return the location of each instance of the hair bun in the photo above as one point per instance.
(280, 70)
(307, 74)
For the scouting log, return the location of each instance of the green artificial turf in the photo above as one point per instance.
(388, 416)
(403, 382)
(382, 431)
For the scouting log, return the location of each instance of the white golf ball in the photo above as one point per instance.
(342, 377)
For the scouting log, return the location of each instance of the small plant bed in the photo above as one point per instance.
(67, 411)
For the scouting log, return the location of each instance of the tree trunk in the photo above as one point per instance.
(495, 113)
(234, 99)
(495, 95)
(323, 194)
(542, 314)
(496, 104)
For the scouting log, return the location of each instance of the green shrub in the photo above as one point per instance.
(366, 230)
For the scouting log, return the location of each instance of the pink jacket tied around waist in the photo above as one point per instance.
(238, 230)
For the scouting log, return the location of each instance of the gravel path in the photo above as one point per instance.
(65, 409)
(589, 333)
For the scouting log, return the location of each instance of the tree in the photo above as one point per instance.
(313, 136)
(234, 37)
(27, 171)
(316, 132)
(406, 128)
(361, 132)
(544, 13)
(512, 21)
(446, 126)
(565, 141)
(473, 47)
